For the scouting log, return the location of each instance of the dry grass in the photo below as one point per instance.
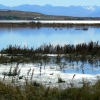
(32, 90)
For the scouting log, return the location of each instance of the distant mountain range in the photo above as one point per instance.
(79, 11)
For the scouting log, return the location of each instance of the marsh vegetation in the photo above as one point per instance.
(64, 56)
(46, 60)
(31, 90)
(12, 88)
(80, 51)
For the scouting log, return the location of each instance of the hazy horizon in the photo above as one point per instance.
(51, 2)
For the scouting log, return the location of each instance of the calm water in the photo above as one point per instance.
(86, 69)
(37, 36)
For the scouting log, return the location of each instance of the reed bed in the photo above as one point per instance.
(32, 90)
(81, 52)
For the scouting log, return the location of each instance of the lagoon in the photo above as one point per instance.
(34, 37)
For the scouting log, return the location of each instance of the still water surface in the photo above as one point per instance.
(34, 37)
(37, 36)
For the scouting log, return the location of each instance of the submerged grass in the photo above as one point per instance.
(36, 91)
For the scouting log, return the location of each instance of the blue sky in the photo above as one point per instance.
(52, 2)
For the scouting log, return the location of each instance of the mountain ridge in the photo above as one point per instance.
(77, 11)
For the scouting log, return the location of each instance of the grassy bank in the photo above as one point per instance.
(36, 91)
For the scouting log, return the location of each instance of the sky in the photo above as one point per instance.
(51, 2)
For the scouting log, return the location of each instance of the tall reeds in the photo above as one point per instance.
(92, 48)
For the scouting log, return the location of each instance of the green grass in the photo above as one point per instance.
(36, 91)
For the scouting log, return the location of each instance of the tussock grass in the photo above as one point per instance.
(60, 80)
(36, 91)
(32, 90)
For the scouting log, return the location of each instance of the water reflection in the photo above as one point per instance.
(38, 36)
(70, 65)
(87, 68)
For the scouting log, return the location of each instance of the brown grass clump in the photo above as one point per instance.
(36, 91)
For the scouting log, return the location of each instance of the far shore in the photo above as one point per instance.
(49, 23)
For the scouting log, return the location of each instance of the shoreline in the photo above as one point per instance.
(49, 23)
